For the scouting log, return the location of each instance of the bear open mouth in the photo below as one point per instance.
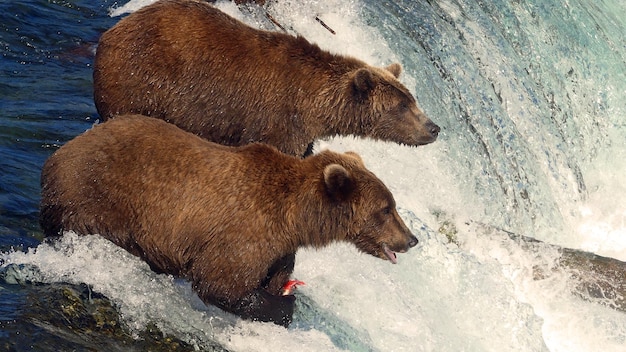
(391, 255)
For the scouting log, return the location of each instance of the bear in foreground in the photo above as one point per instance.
(228, 219)
(190, 64)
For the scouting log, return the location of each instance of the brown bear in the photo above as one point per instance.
(191, 64)
(228, 219)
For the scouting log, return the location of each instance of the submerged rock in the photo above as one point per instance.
(73, 317)
(600, 278)
(597, 278)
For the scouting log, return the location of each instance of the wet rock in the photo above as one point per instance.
(598, 279)
(65, 317)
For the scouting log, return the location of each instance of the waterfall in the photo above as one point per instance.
(529, 95)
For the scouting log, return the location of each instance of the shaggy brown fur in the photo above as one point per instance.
(189, 63)
(229, 219)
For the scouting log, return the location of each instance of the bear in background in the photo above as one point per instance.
(190, 64)
(228, 219)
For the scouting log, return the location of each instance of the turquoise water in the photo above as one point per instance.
(530, 97)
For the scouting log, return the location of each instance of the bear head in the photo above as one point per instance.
(374, 226)
(388, 111)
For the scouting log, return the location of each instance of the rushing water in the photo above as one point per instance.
(531, 98)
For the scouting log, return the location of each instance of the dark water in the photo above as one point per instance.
(45, 97)
(47, 52)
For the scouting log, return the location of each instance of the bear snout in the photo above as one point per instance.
(429, 133)
(433, 129)
(412, 241)
(424, 131)
(389, 250)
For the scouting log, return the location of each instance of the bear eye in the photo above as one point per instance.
(386, 210)
(403, 106)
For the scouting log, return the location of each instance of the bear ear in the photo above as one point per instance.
(339, 184)
(364, 80)
(395, 69)
(355, 156)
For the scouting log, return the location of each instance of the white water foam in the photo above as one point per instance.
(600, 222)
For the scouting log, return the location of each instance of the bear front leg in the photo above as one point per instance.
(278, 274)
(260, 305)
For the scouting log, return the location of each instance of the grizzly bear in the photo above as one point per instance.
(190, 64)
(228, 219)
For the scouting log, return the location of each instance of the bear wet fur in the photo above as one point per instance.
(228, 219)
(191, 64)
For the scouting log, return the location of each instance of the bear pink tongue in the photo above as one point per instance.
(390, 254)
